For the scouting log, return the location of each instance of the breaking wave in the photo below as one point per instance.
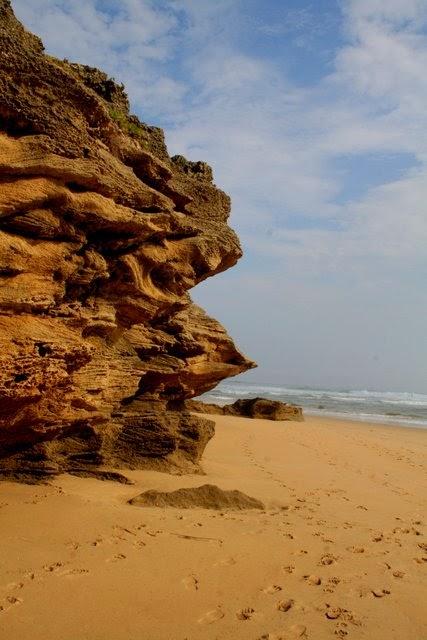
(388, 407)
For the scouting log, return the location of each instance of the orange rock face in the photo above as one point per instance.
(101, 236)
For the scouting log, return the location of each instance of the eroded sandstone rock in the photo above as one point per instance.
(101, 236)
(250, 408)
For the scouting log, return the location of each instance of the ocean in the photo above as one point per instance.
(388, 407)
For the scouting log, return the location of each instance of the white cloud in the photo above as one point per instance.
(276, 146)
(268, 139)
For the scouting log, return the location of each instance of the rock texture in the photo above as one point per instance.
(250, 408)
(208, 496)
(101, 236)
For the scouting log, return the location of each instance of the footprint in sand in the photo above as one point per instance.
(139, 543)
(97, 542)
(272, 589)
(378, 537)
(313, 580)
(74, 572)
(116, 558)
(328, 559)
(288, 569)
(9, 602)
(211, 616)
(380, 593)
(331, 585)
(245, 614)
(341, 630)
(14, 585)
(73, 545)
(356, 549)
(53, 567)
(403, 530)
(344, 615)
(398, 574)
(285, 605)
(191, 583)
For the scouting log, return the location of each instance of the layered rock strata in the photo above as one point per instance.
(250, 408)
(102, 234)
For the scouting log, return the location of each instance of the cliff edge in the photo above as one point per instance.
(101, 236)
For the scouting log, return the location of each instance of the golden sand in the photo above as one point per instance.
(339, 552)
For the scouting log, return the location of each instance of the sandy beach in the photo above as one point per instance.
(339, 551)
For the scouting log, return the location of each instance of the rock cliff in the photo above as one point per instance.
(101, 236)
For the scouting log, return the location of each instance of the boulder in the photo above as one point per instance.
(250, 408)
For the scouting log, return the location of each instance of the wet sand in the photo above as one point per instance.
(340, 550)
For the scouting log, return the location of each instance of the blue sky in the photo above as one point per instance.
(312, 114)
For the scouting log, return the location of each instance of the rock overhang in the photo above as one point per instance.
(102, 235)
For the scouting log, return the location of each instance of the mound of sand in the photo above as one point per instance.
(208, 496)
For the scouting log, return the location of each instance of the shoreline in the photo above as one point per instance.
(335, 417)
(373, 419)
(339, 550)
(403, 408)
